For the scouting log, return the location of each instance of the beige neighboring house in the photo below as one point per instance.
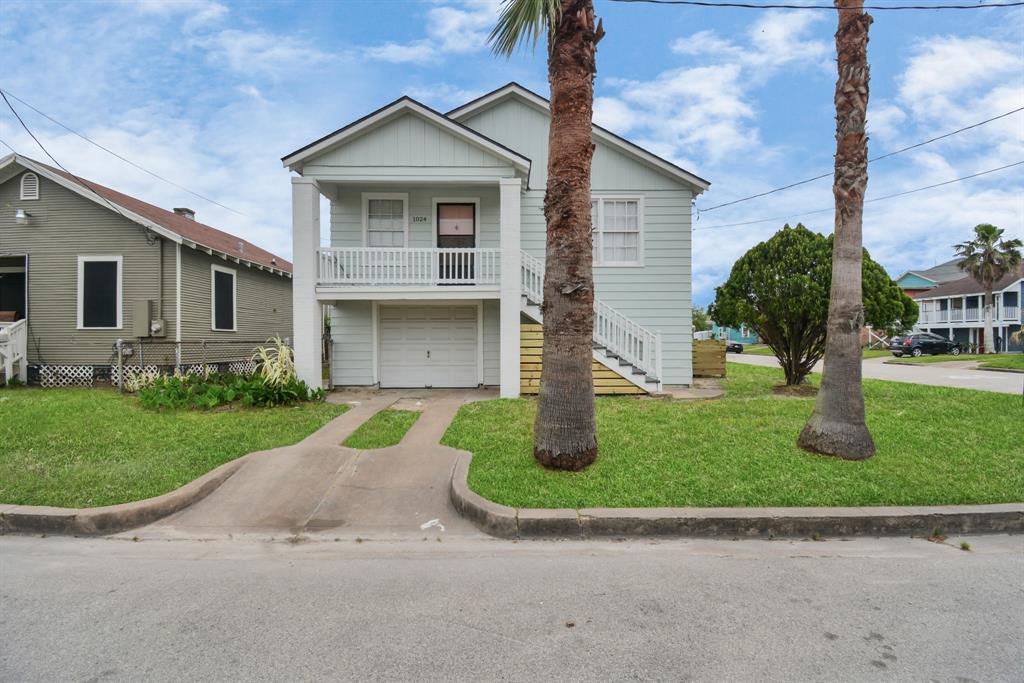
(82, 265)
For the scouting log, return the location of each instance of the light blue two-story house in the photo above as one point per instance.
(437, 240)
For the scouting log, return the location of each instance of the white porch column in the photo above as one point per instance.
(306, 322)
(511, 285)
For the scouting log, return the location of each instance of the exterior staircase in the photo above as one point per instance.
(628, 349)
(14, 351)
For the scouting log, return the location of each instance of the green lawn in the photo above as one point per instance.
(92, 447)
(762, 350)
(1011, 361)
(384, 429)
(935, 445)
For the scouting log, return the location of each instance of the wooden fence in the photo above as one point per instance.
(708, 358)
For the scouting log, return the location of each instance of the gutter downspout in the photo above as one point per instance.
(177, 305)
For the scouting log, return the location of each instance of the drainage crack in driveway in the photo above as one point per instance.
(327, 492)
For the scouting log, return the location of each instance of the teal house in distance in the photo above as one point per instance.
(743, 334)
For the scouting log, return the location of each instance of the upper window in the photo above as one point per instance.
(386, 219)
(99, 292)
(618, 231)
(30, 186)
(222, 299)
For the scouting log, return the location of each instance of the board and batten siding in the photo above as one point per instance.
(263, 305)
(658, 294)
(64, 226)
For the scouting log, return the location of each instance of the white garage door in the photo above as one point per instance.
(428, 346)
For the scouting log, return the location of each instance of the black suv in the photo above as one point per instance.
(922, 343)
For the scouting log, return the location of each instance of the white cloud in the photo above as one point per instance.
(452, 29)
(260, 52)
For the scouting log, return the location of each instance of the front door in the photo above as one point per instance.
(13, 293)
(456, 229)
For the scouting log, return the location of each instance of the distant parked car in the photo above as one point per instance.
(919, 344)
(733, 347)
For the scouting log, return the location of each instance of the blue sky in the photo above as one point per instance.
(211, 94)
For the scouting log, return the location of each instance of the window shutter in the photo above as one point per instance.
(30, 186)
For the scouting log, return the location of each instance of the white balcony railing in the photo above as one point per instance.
(410, 267)
(1010, 313)
(618, 334)
(972, 315)
(942, 316)
(956, 315)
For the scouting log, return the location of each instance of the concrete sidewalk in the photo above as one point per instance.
(318, 487)
(955, 374)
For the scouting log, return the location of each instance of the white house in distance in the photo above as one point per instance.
(437, 235)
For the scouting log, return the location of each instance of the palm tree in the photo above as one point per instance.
(988, 258)
(837, 424)
(565, 431)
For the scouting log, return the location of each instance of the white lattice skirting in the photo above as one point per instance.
(57, 376)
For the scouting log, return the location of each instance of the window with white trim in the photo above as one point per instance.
(99, 292)
(385, 222)
(618, 231)
(29, 186)
(223, 306)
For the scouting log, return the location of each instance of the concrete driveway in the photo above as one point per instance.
(318, 487)
(955, 374)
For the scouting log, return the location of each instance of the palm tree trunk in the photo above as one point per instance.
(565, 431)
(990, 337)
(837, 425)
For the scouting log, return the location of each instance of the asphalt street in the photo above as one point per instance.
(485, 610)
(956, 374)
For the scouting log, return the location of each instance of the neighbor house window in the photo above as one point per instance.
(386, 219)
(222, 298)
(29, 186)
(618, 231)
(99, 292)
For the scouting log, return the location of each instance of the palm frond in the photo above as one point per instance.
(523, 21)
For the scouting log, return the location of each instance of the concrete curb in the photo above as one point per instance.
(507, 522)
(34, 519)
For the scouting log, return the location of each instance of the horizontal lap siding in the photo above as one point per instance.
(352, 343)
(263, 306)
(63, 227)
(347, 213)
(657, 295)
(492, 342)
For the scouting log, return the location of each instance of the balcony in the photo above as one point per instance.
(1011, 314)
(389, 268)
(972, 315)
(956, 315)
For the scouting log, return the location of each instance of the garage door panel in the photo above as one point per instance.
(448, 332)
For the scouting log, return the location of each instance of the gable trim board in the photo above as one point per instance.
(388, 112)
(513, 89)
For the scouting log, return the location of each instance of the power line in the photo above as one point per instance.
(747, 5)
(878, 158)
(112, 152)
(92, 189)
(866, 201)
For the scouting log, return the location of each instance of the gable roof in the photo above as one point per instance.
(404, 104)
(944, 272)
(969, 286)
(515, 90)
(166, 223)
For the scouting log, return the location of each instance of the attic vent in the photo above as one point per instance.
(273, 261)
(241, 247)
(185, 213)
(30, 186)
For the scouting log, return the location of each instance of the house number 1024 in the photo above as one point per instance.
(419, 219)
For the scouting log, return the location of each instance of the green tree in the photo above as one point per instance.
(565, 431)
(701, 321)
(988, 258)
(780, 289)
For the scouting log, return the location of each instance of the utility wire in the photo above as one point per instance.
(878, 158)
(112, 152)
(866, 201)
(748, 5)
(92, 189)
